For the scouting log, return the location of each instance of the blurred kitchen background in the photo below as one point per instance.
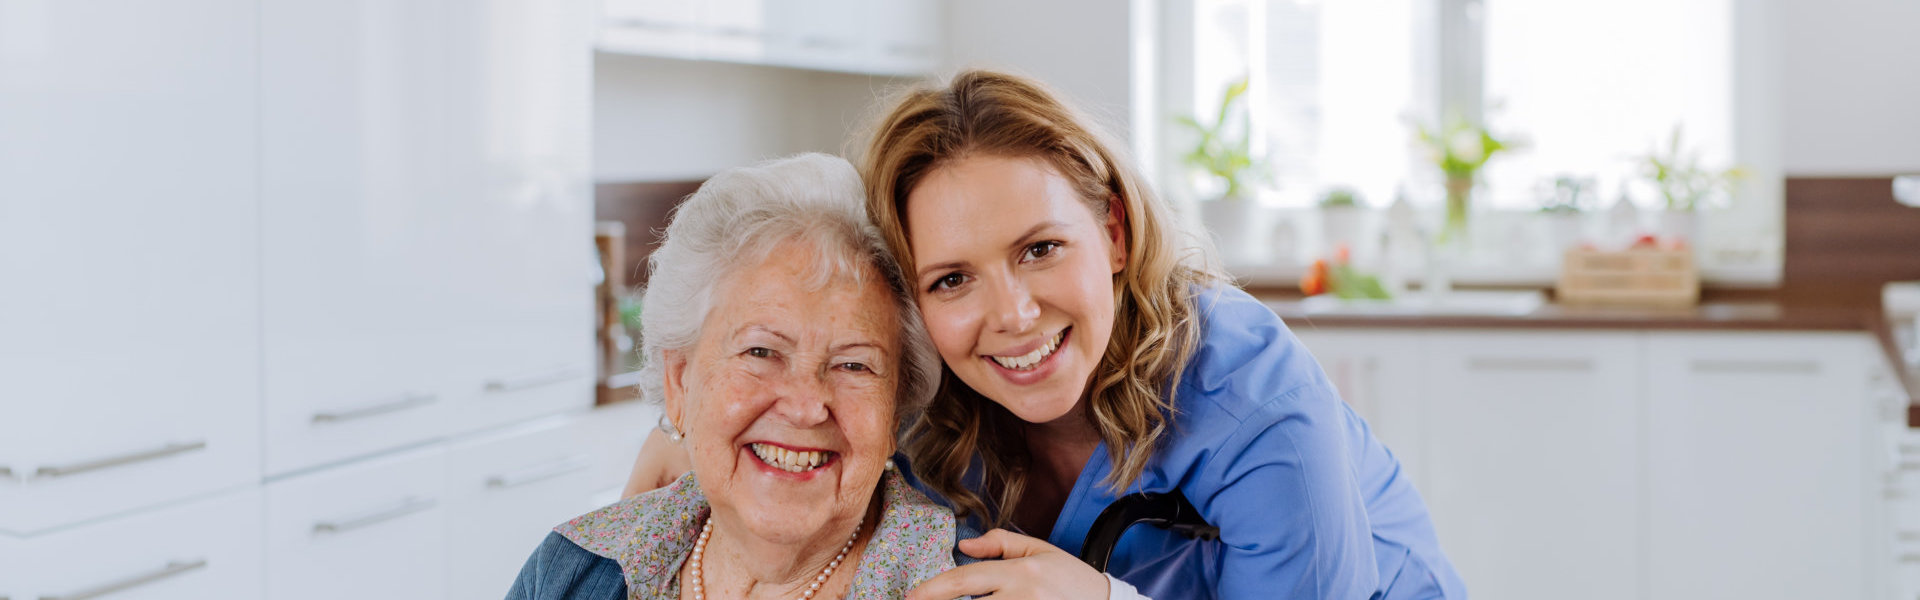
(333, 299)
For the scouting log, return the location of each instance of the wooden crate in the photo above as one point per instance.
(1651, 277)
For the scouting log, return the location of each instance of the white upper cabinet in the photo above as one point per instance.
(519, 210)
(129, 271)
(1533, 461)
(883, 37)
(359, 224)
(1760, 442)
(428, 220)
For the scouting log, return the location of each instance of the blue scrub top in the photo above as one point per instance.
(1309, 504)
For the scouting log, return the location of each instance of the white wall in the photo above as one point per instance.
(1080, 48)
(660, 118)
(1851, 75)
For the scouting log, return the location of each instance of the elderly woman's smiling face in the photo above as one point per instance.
(787, 398)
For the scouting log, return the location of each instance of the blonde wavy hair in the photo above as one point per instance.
(1129, 397)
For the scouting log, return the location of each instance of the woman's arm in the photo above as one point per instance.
(1287, 499)
(660, 463)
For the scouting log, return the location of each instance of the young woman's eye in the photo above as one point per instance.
(1041, 250)
(948, 282)
(759, 352)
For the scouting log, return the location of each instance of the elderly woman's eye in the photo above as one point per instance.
(758, 352)
(1041, 250)
(855, 367)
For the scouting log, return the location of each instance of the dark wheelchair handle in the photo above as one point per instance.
(1170, 511)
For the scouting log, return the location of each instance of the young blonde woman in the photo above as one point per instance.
(1089, 356)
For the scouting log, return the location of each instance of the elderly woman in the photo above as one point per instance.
(785, 348)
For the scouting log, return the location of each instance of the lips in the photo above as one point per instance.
(791, 461)
(1028, 361)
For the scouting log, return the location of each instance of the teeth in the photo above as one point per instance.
(1028, 360)
(789, 460)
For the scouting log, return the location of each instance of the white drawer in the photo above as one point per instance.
(358, 414)
(504, 395)
(88, 462)
(375, 529)
(204, 549)
(505, 491)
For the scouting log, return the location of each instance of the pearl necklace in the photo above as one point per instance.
(706, 531)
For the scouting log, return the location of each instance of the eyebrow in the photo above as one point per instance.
(769, 331)
(1019, 242)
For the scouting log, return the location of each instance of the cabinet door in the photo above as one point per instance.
(1758, 455)
(129, 306)
(1378, 373)
(520, 258)
(907, 36)
(373, 529)
(358, 220)
(1533, 461)
(205, 549)
(506, 491)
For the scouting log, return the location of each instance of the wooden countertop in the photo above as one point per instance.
(1741, 310)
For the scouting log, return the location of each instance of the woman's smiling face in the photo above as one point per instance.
(1015, 280)
(787, 398)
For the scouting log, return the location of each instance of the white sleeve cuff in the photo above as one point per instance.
(1121, 590)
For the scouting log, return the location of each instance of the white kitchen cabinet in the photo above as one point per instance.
(505, 491)
(1533, 461)
(359, 226)
(208, 548)
(909, 37)
(428, 219)
(373, 529)
(129, 312)
(1377, 372)
(519, 260)
(880, 37)
(1760, 459)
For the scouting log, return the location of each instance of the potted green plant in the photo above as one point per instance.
(1685, 186)
(1562, 210)
(1222, 152)
(1459, 149)
(1341, 218)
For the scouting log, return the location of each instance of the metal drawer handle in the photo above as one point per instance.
(1783, 367)
(377, 408)
(539, 473)
(1530, 364)
(532, 381)
(95, 465)
(1910, 558)
(173, 568)
(406, 507)
(1907, 536)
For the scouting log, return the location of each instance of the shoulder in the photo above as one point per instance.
(1245, 361)
(913, 542)
(646, 534)
(561, 570)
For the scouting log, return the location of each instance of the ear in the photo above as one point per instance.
(674, 376)
(1117, 232)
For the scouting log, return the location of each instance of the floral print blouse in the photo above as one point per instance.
(652, 534)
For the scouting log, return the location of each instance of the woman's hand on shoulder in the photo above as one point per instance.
(1029, 568)
(660, 463)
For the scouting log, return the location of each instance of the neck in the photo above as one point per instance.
(738, 564)
(1060, 447)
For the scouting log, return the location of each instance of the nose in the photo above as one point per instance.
(802, 401)
(1013, 309)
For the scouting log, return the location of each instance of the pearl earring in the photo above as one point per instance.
(667, 427)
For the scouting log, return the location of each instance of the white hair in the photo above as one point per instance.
(735, 220)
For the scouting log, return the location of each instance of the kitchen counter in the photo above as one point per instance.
(1743, 310)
